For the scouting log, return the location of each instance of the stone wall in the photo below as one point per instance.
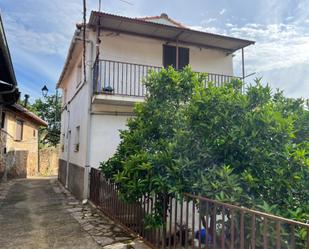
(16, 162)
(48, 161)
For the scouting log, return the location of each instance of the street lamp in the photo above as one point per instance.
(44, 91)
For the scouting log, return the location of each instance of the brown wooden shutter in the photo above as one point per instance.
(183, 57)
(169, 56)
(19, 130)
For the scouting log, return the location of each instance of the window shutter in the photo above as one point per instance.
(169, 56)
(183, 57)
(19, 130)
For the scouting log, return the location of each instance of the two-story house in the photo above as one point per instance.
(119, 53)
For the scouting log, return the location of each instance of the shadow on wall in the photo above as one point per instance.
(15, 163)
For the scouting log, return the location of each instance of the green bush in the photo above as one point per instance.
(247, 148)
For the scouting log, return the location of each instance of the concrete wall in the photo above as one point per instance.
(75, 180)
(62, 171)
(105, 136)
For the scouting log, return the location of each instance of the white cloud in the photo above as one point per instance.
(209, 20)
(280, 55)
(230, 25)
(222, 11)
(278, 46)
(29, 40)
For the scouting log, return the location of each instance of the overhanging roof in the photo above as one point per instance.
(167, 33)
(27, 114)
(8, 84)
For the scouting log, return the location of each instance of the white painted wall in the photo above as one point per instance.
(139, 50)
(76, 111)
(105, 136)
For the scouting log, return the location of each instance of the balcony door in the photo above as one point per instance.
(170, 56)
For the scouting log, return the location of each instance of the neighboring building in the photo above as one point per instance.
(9, 93)
(20, 128)
(119, 53)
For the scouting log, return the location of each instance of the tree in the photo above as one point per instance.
(49, 109)
(247, 148)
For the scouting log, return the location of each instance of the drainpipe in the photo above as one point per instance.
(68, 147)
(88, 126)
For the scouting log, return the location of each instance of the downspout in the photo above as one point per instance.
(68, 147)
(88, 125)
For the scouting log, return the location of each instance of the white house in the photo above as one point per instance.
(119, 53)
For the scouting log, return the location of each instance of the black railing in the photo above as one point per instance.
(122, 78)
(198, 222)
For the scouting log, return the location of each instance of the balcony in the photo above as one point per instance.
(124, 79)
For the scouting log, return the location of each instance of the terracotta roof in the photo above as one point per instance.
(162, 16)
(27, 114)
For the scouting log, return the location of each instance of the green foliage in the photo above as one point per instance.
(249, 149)
(49, 109)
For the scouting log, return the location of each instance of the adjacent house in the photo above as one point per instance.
(99, 92)
(20, 141)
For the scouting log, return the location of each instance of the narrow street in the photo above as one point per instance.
(33, 216)
(36, 214)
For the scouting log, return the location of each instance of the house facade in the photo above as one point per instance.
(99, 93)
(20, 142)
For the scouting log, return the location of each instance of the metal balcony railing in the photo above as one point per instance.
(122, 78)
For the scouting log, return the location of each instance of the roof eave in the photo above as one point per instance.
(8, 57)
(30, 115)
(179, 29)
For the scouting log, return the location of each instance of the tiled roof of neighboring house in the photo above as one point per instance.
(27, 114)
(162, 19)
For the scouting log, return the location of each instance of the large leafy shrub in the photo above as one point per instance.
(248, 148)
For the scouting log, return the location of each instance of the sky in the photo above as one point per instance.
(39, 34)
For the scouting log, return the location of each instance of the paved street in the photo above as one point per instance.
(36, 213)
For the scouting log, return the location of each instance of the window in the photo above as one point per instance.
(169, 56)
(2, 120)
(34, 132)
(19, 130)
(77, 134)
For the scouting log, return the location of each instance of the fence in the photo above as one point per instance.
(198, 222)
(121, 78)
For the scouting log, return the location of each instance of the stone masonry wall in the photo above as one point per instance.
(48, 161)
